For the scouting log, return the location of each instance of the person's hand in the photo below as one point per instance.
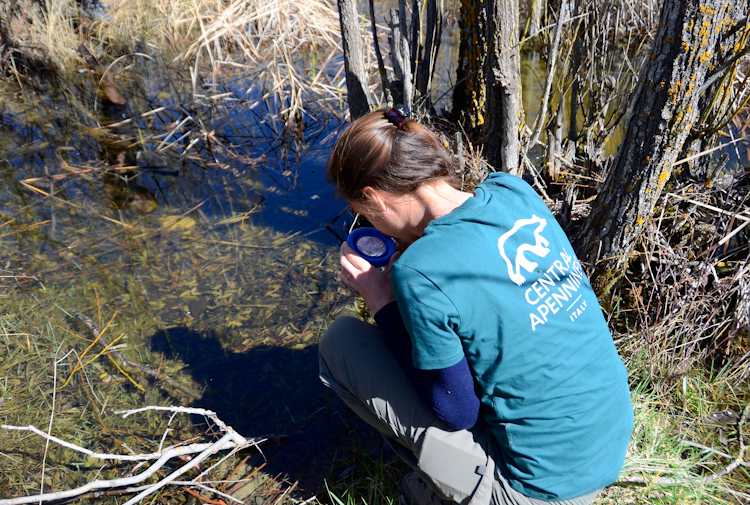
(372, 283)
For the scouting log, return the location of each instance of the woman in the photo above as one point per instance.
(491, 368)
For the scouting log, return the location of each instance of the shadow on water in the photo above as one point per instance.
(272, 391)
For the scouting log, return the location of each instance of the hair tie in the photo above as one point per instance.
(396, 117)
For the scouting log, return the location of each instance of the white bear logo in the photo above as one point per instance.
(540, 248)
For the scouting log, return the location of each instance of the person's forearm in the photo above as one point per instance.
(448, 391)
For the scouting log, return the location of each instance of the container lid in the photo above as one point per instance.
(373, 245)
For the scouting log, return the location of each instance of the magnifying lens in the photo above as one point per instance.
(373, 245)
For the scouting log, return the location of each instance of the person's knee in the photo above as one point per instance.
(336, 336)
(337, 346)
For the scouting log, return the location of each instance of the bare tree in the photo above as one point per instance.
(503, 82)
(358, 92)
(401, 58)
(427, 53)
(414, 42)
(696, 42)
(469, 95)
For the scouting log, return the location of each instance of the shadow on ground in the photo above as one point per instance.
(274, 391)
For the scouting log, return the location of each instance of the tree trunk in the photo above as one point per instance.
(469, 97)
(690, 44)
(401, 87)
(536, 12)
(717, 107)
(576, 64)
(384, 81)
(503, 78)
(433, 29)
(357, 89)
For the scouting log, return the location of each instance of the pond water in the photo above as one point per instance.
(220, 258)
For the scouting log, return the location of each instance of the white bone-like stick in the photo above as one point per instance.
(111, 483)
(179, 451)
(185, 410)
(230, 440)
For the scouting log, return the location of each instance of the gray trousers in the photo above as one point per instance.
(357, 365)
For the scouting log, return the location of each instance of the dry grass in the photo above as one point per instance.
(52, 28)
(291, 48)
(290, 45)
(674, 438)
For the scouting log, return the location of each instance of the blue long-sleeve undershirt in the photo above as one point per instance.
(448, 391)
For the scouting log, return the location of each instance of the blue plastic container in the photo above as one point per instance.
(372, 245)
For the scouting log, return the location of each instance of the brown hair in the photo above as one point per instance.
(373, 151)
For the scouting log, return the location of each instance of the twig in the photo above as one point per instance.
(225, 442)
(145, 369)
(709, 151)
(51, 416)
(185, 410)
(206, 488)
(97, 335)
(203, 499)
(739, 216)
(379, 54)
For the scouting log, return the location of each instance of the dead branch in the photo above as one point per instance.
(230, 440)
(114, 355)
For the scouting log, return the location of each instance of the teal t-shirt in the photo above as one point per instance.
(496, 280)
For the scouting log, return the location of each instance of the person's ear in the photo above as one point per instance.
(374, 199)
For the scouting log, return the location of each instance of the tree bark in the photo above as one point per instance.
(691, 42)
(401, 87)
(469, 96)
(576, 86)
(503, 82)
(433, 27)
(358, 93)
(384, 82)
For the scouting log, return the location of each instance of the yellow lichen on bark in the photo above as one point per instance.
(706, 10)
(474, 80)
(674, 90)
(704, 33)
(691, 86)
(662, 179)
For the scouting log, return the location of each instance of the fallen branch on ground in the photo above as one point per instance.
(229, 440)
